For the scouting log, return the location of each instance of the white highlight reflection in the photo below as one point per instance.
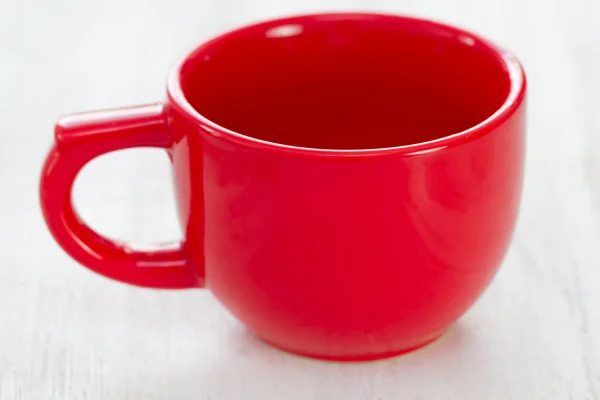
(284, 31)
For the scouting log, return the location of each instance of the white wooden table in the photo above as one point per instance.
(66, 333)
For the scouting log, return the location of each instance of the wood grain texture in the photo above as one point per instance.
(69, 334)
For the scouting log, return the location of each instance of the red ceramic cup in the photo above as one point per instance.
(348, 183)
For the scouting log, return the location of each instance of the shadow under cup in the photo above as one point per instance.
(347, 83)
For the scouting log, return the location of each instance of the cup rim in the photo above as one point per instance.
(511, 104)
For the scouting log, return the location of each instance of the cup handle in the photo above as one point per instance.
(79, 138)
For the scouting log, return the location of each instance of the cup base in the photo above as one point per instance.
(359, 357)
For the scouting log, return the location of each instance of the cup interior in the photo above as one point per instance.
(345, 81)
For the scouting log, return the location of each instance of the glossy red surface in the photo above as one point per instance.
(348, 183)
(78, 139)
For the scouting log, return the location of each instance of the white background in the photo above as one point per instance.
(66, 333)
